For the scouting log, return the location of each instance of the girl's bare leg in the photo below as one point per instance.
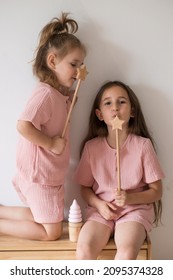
(19, 222)
(129, 237)
(15, 213)
(92, 238)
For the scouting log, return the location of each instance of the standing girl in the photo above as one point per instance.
(130, 213)
(42, 154)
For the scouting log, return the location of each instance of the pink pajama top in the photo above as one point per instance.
(47, 111)
(138, 161)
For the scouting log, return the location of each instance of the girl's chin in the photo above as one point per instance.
(70, 84)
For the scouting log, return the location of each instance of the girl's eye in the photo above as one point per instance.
(122, 101)
(73, 65)
(107, 103)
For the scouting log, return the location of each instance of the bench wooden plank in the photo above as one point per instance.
(62, 249)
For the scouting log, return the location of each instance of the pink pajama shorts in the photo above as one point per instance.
(45, 202)
(143, 214)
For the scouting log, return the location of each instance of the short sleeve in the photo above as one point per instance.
(83, 175)
(38, 109)
(151, 167)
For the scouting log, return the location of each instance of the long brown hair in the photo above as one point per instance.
(137, 125)
(58, 34)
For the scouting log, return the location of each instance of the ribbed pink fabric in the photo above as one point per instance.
(139, 167)
(45, 202)
(47, 110)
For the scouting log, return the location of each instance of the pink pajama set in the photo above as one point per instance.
(139, 167)
(41, 173)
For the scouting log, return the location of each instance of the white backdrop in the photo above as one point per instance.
(127, 40)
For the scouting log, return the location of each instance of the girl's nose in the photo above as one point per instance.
(115, 108)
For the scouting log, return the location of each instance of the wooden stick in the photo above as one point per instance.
(80, 76)
(117, 124)
(118, 161)
(71, 108)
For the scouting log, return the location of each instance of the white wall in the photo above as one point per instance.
(127, 40)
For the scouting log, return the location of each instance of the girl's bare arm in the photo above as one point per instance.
(32, 134)
(153, 194)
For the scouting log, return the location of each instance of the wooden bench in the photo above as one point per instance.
(21, 249)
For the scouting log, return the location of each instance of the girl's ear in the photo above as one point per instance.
(51, 61)
(99, 114)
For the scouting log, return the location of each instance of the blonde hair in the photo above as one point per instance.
(58, 34)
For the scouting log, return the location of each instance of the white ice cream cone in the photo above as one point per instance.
(75, 221)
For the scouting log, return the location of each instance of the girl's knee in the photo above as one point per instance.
(84, 252)
(52, 231)
(52, 236)
(126, 253)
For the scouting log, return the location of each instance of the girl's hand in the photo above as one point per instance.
(107, 210)
(58, 145)
(120, 198)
